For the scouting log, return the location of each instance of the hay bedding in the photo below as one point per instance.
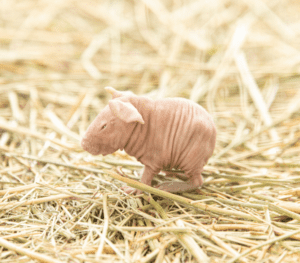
(239, 59)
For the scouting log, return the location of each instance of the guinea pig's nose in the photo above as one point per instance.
(83, 142)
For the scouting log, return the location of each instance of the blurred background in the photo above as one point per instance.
(238, 59)
(208, 51)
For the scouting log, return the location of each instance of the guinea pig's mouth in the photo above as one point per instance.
(93, 151)
(89, 147)
(93, 148)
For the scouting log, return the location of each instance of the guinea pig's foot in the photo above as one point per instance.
(177, 187)
(176, 174)
(130, 190)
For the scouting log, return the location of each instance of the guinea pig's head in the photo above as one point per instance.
(112, 128)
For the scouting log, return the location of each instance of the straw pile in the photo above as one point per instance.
(239, 59)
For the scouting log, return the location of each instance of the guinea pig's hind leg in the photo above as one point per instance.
(191, 184)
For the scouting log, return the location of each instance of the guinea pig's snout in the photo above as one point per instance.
(84, 143)
(89, 145)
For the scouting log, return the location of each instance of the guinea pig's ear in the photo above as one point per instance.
(116, 93)
(125, 111)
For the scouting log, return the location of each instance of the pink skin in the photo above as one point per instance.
(161, 134)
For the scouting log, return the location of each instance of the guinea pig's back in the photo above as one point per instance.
(187, 133)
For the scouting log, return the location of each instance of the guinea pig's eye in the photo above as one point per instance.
(103, 127)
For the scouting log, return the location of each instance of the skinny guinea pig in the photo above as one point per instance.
(161, 134)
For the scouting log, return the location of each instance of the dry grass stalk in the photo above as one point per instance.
(34, 255)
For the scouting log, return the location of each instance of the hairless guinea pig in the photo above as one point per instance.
(161, 134)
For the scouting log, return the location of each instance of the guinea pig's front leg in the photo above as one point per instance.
(147, 177)
(191, 184)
